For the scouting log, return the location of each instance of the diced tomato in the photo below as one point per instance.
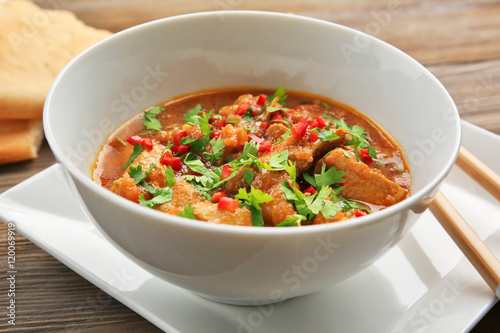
(358, 212)
(212, 120)
(215, 134)
(300, 129)
(217, 195)
(242, 109)
(276, 116)
(178, 136)
(365, 156)
(221, 124)
(226, 203)
(254, 137)
(264, 126)
(265, 146)
(311, 190)
(168, 160)
(146, 143)
(261, 100)
(313, 137)
(321, 122)
(226, 171)
(291, 111)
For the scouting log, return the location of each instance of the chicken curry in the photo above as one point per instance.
(254, 157)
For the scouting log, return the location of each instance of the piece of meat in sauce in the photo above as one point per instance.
(361, 182)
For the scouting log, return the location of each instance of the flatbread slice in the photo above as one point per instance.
(19, 140)
(35, 44)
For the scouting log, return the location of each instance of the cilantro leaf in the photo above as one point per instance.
(136, 173)
(292, 221)
(283, 137)
(274, 109)
(191, 117)
(329, 209)
(326, 105)
(348, 205)
(217, 150)
(248, 176)
(170, 175)
(161, 196)
(281, 92)
(188, 212)
(326, 135)
(149, 120)
(308, 178)
(278, 160)
(253, 199)
(137, 151)
(195, 164)
(199, 144)
(330, 177)
(372, 152)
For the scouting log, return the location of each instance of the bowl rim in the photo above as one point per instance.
(160, 217)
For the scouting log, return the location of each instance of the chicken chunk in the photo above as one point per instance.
(361, 182)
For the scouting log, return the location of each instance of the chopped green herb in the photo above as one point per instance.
(274, 109)
(149, 120)
(308, 178)
(248, 176)
(281, 92)
(195, 164)
(230, 121)
(253, 201)
(191, 116)
(346, 154)
(292, 221)
(348, 205)
(188, 212)
(372, 152)
(283, 137)
(379, 164)
(217, 150)
(121, 141)
(326, 105)
(278, 160)
(330, 177)
(137, 151)
(136, 173)
(398, 170)
(170, 175)
(161, 196)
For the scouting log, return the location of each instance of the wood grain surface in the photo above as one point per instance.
(457, 40)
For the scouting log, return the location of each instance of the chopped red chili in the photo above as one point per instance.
(358, 212)
(365, 156)
(146, 143)
(313, 137)
(321, 122)
(242, 109)
(265, 146)
(221, 124)
(215, 134)
(311, 190)
(261, 100)
(168, 160)
(226, 171)
(264, 126)
(300, 129)
(178, 136)
(226, 203)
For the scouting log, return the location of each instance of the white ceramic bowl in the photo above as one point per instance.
(110, 82)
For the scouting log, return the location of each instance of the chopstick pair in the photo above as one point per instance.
(476, 251)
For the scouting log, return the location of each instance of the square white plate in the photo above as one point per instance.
(423, 284)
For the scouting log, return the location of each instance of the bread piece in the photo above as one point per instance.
(35, 45)
(19, 140)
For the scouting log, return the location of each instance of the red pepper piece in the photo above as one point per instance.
(313, 123)
(217, 195)
(321, 122)
(264, 126)
(365, 156)
(178, 136)
(226, 171)
(261, 100)
(146, 143)
(358, 212)
(226, 203)
(313, 137)
(311, 190)
(265, 146)
(215, 134)
(182, 149)
(221, 124)
(300, 129)
(168, 160)
(242, 109)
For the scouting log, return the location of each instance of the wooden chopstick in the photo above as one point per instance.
(479, 171)
(480, 256)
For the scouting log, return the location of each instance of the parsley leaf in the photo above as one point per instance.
(149, 120)
(170, 175)
(281, 92)
(330, 177)
(195, 164)
(253, 201)
(217, 150)
(137, 151)
(191, 116)
(188, 212)
(248, 176)
(329, 209)
(161, 196)
(292, 221)
(136, 173)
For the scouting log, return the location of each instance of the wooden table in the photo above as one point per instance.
(459, 41)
